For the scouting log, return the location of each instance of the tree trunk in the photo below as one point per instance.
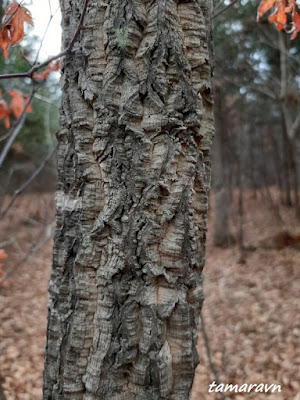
(290, 127)
(133, 178)
(222, 235)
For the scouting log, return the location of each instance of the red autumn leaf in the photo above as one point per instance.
(12, 30)
(264, 6)
(41, 76)
(290, 7)
(295, 24)
(4, 114)
(4, 41)
(16, 16)
(18, 103)
(278, 17)
(54, 66)
(28, 106)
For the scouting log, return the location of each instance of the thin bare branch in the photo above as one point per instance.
(45, 33)
(224, 9)
(44, 99)
(68, 50)
(269, 41)
(49, 3)
(36, 247)
(221, 2)
(208, 353)
(27, 182)
(4, 137)
(35, 68)
(295, 128)
(15, 131)
(43, 38)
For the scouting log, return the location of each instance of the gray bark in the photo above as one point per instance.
(133, 179)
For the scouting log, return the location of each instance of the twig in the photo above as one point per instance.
(49, 3)
(68, 50)
(224, 9)
(45, 100)
(13, 241)
(211, 364)
(13, 135)
(5, 137)
(7, 242)
(269, 41)
(32, 250)
(26, 183)
(15, 131)
(43, 38)
(295, 128)
(45, 32)
(221, 2)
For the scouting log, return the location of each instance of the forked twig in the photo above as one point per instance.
(36, 247)
(27, 182)
(224, 9)
(68, 50)
(208, 353)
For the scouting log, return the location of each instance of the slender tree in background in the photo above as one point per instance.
(222, 235)
(133, 177)
(259, 81)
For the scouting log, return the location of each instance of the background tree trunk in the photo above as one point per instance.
(222, 235)
(133, 180)
(290, 126)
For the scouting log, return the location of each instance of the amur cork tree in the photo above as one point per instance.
(136, 126)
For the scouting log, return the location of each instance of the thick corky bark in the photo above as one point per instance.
(134, 172)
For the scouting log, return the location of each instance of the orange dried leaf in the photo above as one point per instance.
(6, 122)
(54, 66)
(295, 24)
(16, 16)
(28, 106)
(278, 17)
(18, 103)
(290, 7)
(12, 30)
(4, 114)
(41, 76)
(4, 41)
(264, 6)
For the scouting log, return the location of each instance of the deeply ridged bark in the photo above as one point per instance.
(133, 177)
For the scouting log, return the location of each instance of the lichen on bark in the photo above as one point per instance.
(133, 179)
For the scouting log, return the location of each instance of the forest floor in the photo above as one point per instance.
(251, 312)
